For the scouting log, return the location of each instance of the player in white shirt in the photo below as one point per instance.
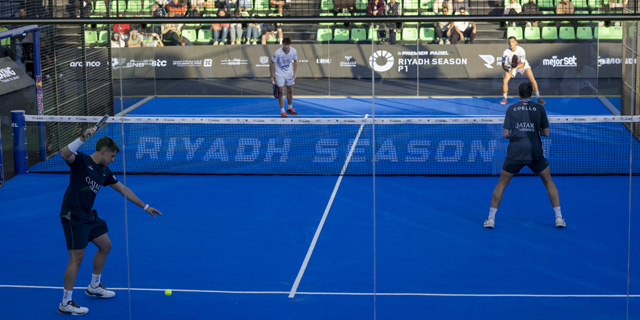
(514, 61)
(283, 66)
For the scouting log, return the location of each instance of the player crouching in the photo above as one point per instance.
(514, 61)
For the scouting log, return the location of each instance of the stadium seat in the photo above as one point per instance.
(427, 34)
(361, 4)
(204, 36)
(410, 34)
(117, 7)
(411, 5)
(103, 37)
(359, 14)
(532, 33)
(373, 34)
(601, 33)
(426, 4)
(90, 37)
(585, 13)
(358, 34)
(584, 33)
(615, 33)
(411, 14)
(326, 5)
(261, 5)
(190, 34)
(594, 4)
(546, 4)
(514, 32)
(99, 7)
(567, 33)
(134, 6)
(580, 4)
(324, 34)
(326, 14)
(341, 34)
(549, 33)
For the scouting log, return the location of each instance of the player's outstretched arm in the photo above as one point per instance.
(127, 193)
(68, 153)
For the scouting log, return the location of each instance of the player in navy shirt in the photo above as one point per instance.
(80, 223)
(524, 122)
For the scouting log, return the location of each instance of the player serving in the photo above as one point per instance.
(283, 66)
(514, 61)
(80, 223)
(523, 124)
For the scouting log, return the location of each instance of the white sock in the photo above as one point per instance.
(538, 94)
(558, 213)
(281, 109)
(290, 107)
(504, 95)
(95, 280)
(66, 297)
(492, 213)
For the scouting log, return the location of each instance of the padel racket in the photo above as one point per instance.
(515, 61)
(276, 91)
(100, 123)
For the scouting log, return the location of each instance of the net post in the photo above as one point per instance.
(19, 129)
(37, 70)
(1, 163)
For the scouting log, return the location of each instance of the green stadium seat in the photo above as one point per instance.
(615, 33)
(190, 34)
(580, 4)
(90, 37)
(594, 4)
(358, 34)
(585, 13)
(549, 33)
(261, 5)
(584, 33)
(514, 32)
(546, 4)
(99, 7)
(326, 14)
(601, 33)
(373, 34)
(532, 33)
(204, 36)
(343, 14)
(410, 34)
(411, 14)
(103, 37)
(326, 5)
(427, 34)
(411, 5)
(567, 33)
(117, 6)
(426, 4)
(361, 4)
(134, 6)
(341, 34)
(324, 34)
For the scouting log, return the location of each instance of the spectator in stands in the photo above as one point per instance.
(376, 7)
(341, 6)
(253, 32)
(162, 3)
(442, 28)
(171, 31)
(232, 5)
(135, 39)
(184, 42)
(439, 4)
(177, 8)
(280, 4)
(156, 41)
(245, 5)
(220, 30)
(21, 13)
(123, 29)
(158, 11)
(235, 29)
(531, 8)
(565, 7)
(613, 7)
(195, 5)
(269, 30)
(458, 4)
(463, 30)
(116, 41)
(513, 8)
(393, 8)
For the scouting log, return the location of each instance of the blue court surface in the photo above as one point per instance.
(329, 247)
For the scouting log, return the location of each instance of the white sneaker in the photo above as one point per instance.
(215, 43)
(528, 24)
(254, 43)
(72, 308)
(489, 223)
(233, 43)
(248, 42)
(447, 42)
(222, 43)
(100, 292)
(560, 223)
(441, 42)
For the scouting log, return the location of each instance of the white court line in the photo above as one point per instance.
(296, 283)
(409, 294)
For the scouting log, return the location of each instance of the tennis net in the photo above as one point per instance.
(583, 145)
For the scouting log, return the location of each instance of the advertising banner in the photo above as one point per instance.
(12, 77)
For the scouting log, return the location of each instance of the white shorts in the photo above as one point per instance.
(520, 70)
(283, 80)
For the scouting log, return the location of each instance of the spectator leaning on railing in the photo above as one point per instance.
(531, 8)
(442, 28)
(463, 30)
(513, 8)
(565, 7)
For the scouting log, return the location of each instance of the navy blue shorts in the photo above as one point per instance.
(82, 228)
(514, 167)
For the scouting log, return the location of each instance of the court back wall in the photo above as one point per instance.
(559, 60)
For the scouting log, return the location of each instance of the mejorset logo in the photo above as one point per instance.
(383, 56)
